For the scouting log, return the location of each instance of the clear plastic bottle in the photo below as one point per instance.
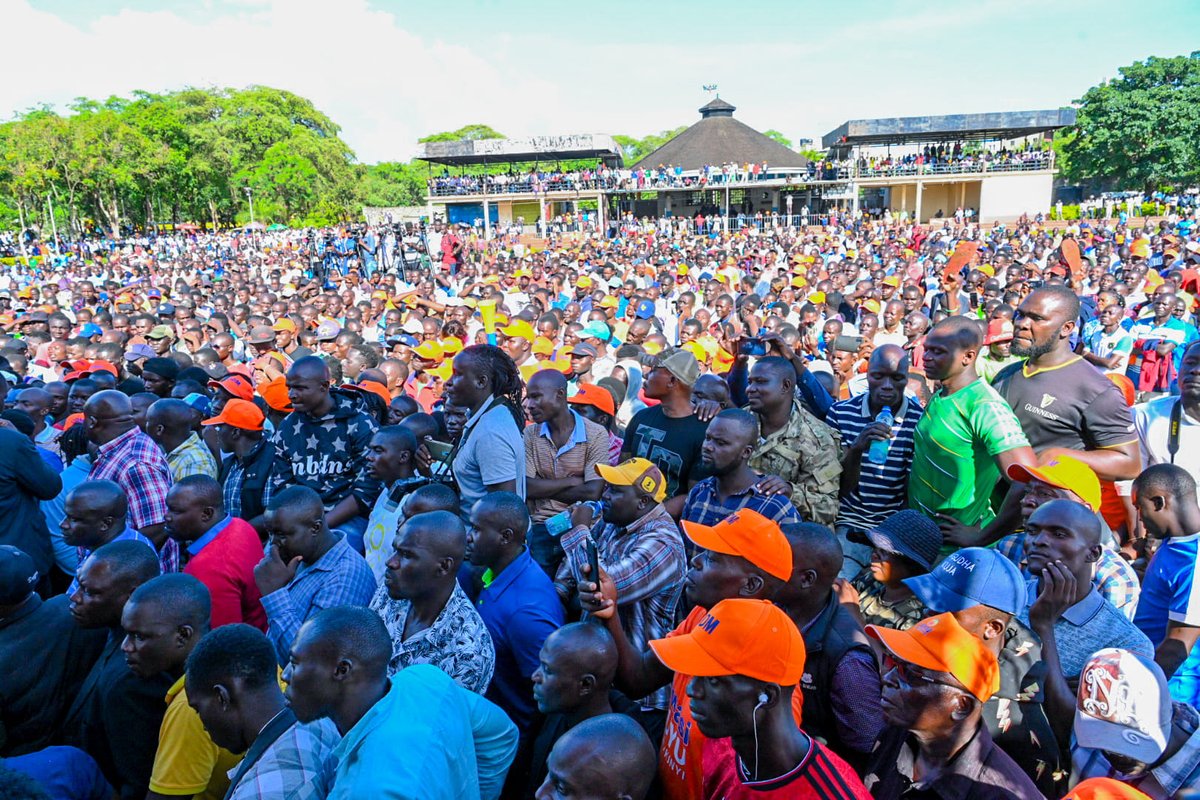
(878, 452)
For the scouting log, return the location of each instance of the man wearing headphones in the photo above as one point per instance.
(746, 657)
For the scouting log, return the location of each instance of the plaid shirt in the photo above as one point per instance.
(1113, 577)
(294, 766)
(341, 577)
(192, 457)
(705, 506)
(135, 463)
(235, 479)
(647, 563)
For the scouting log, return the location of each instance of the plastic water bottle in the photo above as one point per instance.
(877, 453)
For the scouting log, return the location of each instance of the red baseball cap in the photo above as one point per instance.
(236, 385)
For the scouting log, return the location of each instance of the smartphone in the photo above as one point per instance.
(593, 558)
(439, 450)
(847, 344)
(754, 347)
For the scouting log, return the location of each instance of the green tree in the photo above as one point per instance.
(634, 149)
(1142, 129)
(392, 183)
(473, 132)
(779, 137)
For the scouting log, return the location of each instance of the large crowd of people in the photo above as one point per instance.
(874, 509)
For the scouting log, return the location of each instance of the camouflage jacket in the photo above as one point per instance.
(805, 454)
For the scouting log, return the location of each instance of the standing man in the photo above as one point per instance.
(169, 424)
(870, 493)
(455, 743)
(307, 567)
(728, 443)
(220, 550)
(232, 682)
(322, 444)
(391, 458)
(562, 449)
(669, 434)
(132, 460)
(1160, 441)
(968, 436)
(26, 480)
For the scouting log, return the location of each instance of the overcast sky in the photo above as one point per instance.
(390, 71)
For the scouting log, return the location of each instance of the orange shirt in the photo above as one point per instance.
(680, 764)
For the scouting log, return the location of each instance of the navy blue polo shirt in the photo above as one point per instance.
(520, 609)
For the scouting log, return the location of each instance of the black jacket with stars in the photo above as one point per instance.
(327, 454)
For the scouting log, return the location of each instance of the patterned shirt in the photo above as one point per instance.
(1113, 576)
(457, 643)
(900, 615)
(135, 463)
(235, 479)
(646, 562)
(615, 443)
(805, 454)
(705, 506)
(329, 455)
(192, 457)
(293, 767)
(341, 577)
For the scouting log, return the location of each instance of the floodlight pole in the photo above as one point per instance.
(250, 196)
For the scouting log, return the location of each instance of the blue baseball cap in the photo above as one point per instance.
(596, 330)
(973, 576)
(90, 330)
(645, 309)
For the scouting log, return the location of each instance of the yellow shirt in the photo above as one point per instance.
(187, 762)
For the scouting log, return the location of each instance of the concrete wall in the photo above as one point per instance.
(1005, 197)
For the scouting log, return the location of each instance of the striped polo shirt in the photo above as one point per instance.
(882, 488)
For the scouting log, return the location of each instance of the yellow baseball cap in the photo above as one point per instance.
(636, 472)
(521, 328)
(1063, 472)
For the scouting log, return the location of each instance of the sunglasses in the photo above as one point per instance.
(908, 676)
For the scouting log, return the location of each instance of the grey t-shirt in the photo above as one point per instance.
(493, 453)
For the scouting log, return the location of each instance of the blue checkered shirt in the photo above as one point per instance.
(235, 479)
(295, 766)
(341, 577)
(1113, 578)
(705, 506)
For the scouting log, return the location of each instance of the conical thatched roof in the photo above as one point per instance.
(718, 139)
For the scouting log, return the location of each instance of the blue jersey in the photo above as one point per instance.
(1171, 593)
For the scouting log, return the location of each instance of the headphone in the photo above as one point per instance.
(762, 698)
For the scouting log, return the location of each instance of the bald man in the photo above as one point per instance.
(307, 567)
(323, 445)
(94, 514)
(169, 422)
(455, 743)
(133, 461)
(1072, 619)
(602, 758)
(514, 597)
(428, 616)
(574, 683)
(36, 403)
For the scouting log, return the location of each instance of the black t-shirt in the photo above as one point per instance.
(671, 443)
(1073, 406)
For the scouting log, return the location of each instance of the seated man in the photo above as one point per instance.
(454, 743)
(44, 657)
(391, 461)
(573, 683)
(233, 683)
(116, 715)
(746, 658)
(163, 620)
(732, 484)
(640, 549)
(426, 612)
(1127, 727)
(515, 599)
(937, 678)
(604, 756)
(220, 551)
(307, 566)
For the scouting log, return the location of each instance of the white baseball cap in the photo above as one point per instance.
(1123, 706)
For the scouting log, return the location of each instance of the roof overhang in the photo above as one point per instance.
(521, 151)
(950, 127)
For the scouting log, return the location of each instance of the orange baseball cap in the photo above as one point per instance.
(275, 393)
(1063, 472)
(590, 394)
(241, 414)
(101, 366)
(284, 324)
(738, 637)
(1105, 789)
(237, 385)
(636, 472)
(71, 421)
(373, 387)
(939, 643)
(749, 535)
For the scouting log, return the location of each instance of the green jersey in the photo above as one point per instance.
(954, 447)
